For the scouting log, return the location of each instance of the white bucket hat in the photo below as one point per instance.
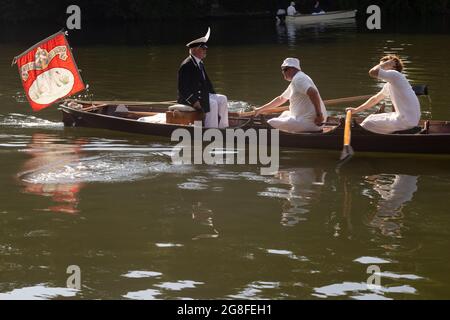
(291, 62)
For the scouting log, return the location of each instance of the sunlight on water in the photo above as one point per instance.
(358, 290)
(97, 170)
(254, 290)
(143, 295)
(392, 275)
(168, 245)
(287, 253)
(26, 121)
(179, 285)
(371, 260)
(38, 292)
(142, 274)
(193, 186)
(20, 97)
(239, 106)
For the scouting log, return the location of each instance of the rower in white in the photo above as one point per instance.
(307, 110)
(406, 114)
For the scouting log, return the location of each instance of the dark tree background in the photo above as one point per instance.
(18, 11)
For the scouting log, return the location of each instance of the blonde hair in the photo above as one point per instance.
(399, 66)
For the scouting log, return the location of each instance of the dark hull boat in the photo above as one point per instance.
(433, 137)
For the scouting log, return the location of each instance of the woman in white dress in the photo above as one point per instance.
(406, 114)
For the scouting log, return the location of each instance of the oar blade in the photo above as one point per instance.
(420, 89)
(347, 154)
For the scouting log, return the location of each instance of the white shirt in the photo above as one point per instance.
(199, 63)
(197, 60)
(291, 11)
(300, 103)
(403, 97)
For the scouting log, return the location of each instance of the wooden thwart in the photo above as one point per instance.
(135, 114)
(184, 118)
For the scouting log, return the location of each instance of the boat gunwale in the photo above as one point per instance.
(72, 110)
(113, 102)
(248, 124)
(322, 14)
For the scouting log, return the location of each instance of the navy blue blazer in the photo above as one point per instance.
(192, 86)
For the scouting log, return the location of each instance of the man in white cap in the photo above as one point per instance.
(196, 90)
(307, 111)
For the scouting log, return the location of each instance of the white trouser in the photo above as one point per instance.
(292, 124)
(218, 105)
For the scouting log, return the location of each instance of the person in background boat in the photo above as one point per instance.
(406, 104)
(307, 111)
(196, 90)
(281, 11)
(291, 11)
(317, 8)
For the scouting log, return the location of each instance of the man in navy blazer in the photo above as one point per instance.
(195, 88)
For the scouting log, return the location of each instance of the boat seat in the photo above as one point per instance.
(414, 130)
(182, 108)
(183, 114)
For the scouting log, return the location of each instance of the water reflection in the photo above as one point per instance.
(305, 184)
(49, 154)
(255, 290)
(392, 192)
(292, 32)
(203, 217)
(346, 208)
(361, 291)
(39, 292)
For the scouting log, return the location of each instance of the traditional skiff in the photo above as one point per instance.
(432, 137)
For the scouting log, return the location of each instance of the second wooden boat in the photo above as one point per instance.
(324, 17)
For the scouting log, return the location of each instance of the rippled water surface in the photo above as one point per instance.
(142, 227)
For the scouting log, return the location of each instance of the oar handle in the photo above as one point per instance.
(326, 102)
(346, 100)
(348, 131)
(418, 89)
(243, 114)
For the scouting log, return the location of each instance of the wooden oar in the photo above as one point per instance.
(347, 151)
(94, 107)
(326, 102)
(420, 90)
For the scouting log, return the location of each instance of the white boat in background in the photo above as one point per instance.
(322, 17)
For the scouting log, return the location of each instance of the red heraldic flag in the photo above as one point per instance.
(49, 72)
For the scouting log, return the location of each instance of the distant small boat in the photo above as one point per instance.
(322, 17)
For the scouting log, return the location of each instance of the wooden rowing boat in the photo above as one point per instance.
(325, 17)
(433, 137)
